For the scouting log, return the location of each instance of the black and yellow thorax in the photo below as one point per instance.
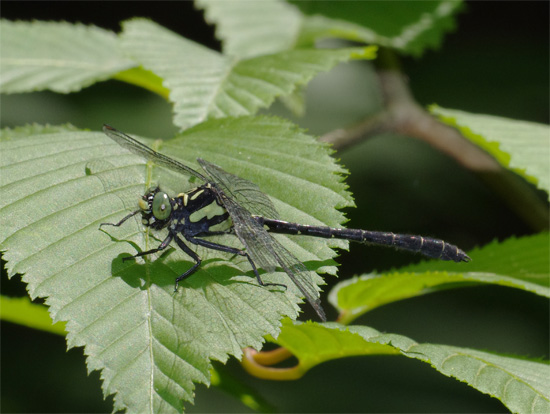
(198, 211)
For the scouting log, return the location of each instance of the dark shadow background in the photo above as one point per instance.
(496, 62)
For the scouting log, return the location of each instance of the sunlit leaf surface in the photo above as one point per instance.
(150, 343)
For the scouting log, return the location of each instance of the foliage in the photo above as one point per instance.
(520, 384)
(519, 146)
(153, 345)
(523, 265)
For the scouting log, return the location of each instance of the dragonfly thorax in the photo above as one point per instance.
(193, 212)
(201, 211)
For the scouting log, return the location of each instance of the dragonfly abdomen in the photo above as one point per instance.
(427, 246)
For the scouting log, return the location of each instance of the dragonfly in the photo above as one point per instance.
(227, 204)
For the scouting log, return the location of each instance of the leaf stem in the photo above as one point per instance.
(256, 363)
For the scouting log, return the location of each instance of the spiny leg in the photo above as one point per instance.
(193, 256)
(161, 247)
(255, 270)
(132, 214)
(233, 250)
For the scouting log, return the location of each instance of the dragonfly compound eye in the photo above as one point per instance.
(161, 206)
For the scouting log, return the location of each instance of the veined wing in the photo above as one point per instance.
(268, 253)
(149, 154)
(244, 192)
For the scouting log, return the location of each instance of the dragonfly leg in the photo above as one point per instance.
(132, 214)
(240, 252)
(193, 256)
(161, 246)
(260, 281)
(215, 233)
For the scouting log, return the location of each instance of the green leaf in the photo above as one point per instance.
(410, 30)
(206, 84)
(23, 312)
(521, 385)
(150, 343)
(58, 56)
(33, 129)
(519, 263)
(144, 79)
(255, 28)
(520, 146)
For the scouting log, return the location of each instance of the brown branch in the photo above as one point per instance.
(402, 115)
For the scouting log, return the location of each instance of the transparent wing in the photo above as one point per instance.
(241, 198)
(244, 192)
(144, 151)
(268, 253)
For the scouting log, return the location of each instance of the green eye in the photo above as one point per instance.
(161, 206)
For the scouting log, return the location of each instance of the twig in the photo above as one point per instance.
(402, 115)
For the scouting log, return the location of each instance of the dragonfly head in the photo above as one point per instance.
(156, 208)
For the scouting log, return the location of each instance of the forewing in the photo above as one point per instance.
(149, 154)
(241, 198)
(244, 192)
(268, 253)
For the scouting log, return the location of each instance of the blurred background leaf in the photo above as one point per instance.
(58, 57)
(518, 145)
(206, 84)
